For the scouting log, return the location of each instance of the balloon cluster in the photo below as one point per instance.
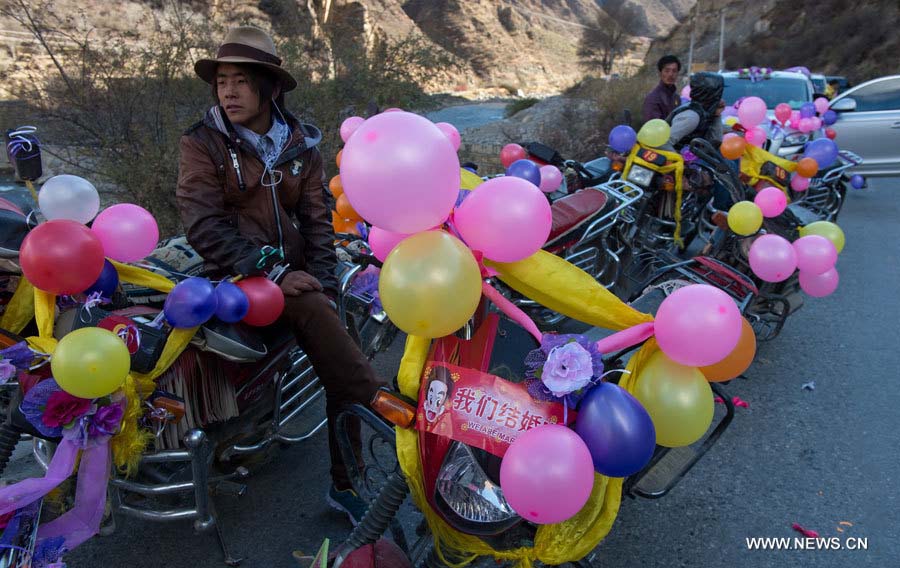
(518, 164)
(401, 173)
(256, 301)
(702, 338)
(63, 255)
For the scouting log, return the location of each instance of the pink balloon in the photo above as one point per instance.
(805, 125)
(400, 172)
(686, 92)
(506, 218)
(795, 116)
(772, 258)
(799, 183)
(815, 122)
(815, 254)
(771, 201)
(698, 325)
(392, 109)
(551, 178)
(752, 111)
(349, 126)
(819, 285)
(451, 133)
(128, 232)
(382, 242)
(821, 104)
(783, 112)
(756, 136)
(547, 474)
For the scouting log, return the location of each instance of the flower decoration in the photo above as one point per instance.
(562, 368)
(56, 413)
(366, 283)
(13, 359)
(755, 74)
(63, 408)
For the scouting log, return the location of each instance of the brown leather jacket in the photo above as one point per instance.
(229, 215)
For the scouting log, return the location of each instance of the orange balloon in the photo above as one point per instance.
(336, 187)
(733, 147)
(347, 226)
(346, 210)
(807, 167)
(335, 218)
(738, 360)
(337, 158)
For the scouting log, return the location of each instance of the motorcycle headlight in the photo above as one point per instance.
(796, 139)
(640, 175)
(468, 492)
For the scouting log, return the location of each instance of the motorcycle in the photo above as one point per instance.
(231, 397)
(460, 479)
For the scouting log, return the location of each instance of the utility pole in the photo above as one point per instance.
(690, 64)
(721, 38)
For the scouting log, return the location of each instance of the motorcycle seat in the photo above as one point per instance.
(573, 212)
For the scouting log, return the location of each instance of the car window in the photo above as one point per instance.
(774, 91)
(883, 95)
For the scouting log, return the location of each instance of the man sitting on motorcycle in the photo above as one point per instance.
(251, 193)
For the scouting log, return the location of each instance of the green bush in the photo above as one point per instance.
(519, 105)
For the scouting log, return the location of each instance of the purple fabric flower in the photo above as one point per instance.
(563, 366)
(33, 407)
(105, 422)
(77, 432)
(49, 552)
(63, 408)
(20, 355)
(7, 371)
(366, 283)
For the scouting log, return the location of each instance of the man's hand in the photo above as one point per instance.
(297, 282)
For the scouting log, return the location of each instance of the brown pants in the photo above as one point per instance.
(345, 372)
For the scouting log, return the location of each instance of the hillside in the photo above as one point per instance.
(858, 40)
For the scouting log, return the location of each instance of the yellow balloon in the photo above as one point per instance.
(678, 399)
(90, 362)
(745, 218)
(430, 284)
(731, 121)
(825, 229)
(654, 133)
(468, 180)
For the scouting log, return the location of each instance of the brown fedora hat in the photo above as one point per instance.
(248, 45)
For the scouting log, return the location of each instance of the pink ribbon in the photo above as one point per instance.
(626, 338)
(511, 310)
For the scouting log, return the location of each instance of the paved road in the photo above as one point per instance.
(812, 457)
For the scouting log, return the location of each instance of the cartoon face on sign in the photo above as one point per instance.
(440, 386)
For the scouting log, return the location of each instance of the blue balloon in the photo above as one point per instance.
(107, 282)
(858, 182)
(830, 117)
(232, 302)
(191, 303)
(617, 430)
(822, 150)
(807, 110)
(622, 138)
(525, 169)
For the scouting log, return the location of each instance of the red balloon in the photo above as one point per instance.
(61, 257)
(510, 153)
(266, 300)
(830, 133)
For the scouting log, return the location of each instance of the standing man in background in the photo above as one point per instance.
(663, 99)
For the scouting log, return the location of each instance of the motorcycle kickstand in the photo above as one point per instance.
(229, 559)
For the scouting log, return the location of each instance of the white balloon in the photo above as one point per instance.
(69, 197)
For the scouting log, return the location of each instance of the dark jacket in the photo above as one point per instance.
(660, 102)
(706, 125)
(229, 215)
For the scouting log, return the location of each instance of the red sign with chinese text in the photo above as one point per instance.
(478, 409)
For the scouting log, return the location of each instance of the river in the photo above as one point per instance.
(470, 115)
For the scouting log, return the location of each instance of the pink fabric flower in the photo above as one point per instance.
(568, 368)
(63, 408)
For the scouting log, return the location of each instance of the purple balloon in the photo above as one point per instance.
(190, 303)
(830, 117)
(808, 110)
(822, 150)
(858, 182)
(232, 303)
(525, 169)
(107, 282)
(617, 429)
(622, 138)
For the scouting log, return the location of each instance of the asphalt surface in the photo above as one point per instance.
(813, 457)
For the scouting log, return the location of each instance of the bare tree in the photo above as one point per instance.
(610, 36)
